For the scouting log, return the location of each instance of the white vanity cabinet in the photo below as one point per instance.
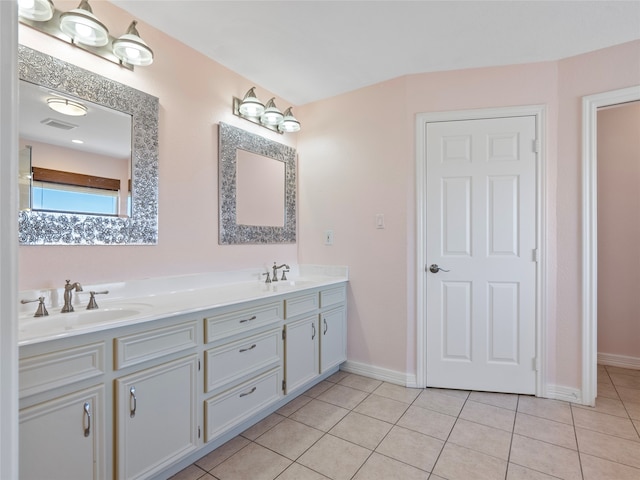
(156, 402)
(156, 417)
(301, 351)
(63, 438)
(333, 324)
(62, 415)
(243, 364)
(144, 400)
(315, 335)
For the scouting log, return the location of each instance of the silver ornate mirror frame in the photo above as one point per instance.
(141, 228)
(230, 139)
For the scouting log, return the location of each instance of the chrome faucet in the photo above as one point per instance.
(68, 295)
(274, 278)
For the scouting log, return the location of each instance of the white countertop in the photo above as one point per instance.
(138, 301)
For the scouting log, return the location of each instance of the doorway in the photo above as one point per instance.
(590, 106)
(478, 325)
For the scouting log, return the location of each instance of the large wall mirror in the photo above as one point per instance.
(88, 158)
(257, 186)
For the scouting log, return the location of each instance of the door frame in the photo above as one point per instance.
(590, 106)
(9, 241)
(422, 119)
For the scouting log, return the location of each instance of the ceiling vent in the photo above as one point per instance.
(52, 122)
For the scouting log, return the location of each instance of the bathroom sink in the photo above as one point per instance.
(61, 322)
(290, 284)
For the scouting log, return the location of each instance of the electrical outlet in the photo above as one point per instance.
(328, 237)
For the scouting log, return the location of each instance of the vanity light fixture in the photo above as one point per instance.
(130, 48)
(289, 123)
(80, 27)
(250, 105)
(67, 107)
(271, 115)
(268, 116)
(38, 10)
(84, 27)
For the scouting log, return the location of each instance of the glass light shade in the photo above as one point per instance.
(37, 10)
(251, 106)
(130, 48)
(271, 115)
(84, 27)
(67, 107)
(289, 124)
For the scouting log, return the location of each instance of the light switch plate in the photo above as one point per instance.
(328, 237)
(380, 220)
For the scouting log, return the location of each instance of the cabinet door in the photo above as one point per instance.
(301, 352)
(63, 438)
(333, 341)
(156, 417)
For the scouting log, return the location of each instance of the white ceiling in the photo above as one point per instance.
(310, 50)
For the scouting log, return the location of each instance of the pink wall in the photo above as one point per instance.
(357, 159)
(619, 230)
(195, 95)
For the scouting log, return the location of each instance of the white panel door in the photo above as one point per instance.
(481, 227)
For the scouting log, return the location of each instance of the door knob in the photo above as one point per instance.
(434, 268)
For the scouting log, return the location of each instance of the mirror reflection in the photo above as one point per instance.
(260, 190)
(75, 155)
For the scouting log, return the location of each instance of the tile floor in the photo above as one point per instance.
(353, 427)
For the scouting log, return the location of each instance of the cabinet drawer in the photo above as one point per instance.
(57, 369)
(301, 304)
(235, 360)
(230, 408)
(152, 344)
(238, 321)
(333, 296)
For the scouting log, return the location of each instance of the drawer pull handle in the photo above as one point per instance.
(248, 393)
(87, 411)
(247, 349)
(326, 327)
(248, 319)
(132, 393)
(313, 329)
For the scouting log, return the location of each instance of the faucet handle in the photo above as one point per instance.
(268, 280)
(42, 310)
(284, 273)
(92, 300)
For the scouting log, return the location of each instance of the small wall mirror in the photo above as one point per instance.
(101, 191)
(257, 186)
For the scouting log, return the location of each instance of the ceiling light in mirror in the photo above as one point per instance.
(67, 107)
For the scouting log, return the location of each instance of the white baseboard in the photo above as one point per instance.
(379, 373)
(623, 361)
(566, 394)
